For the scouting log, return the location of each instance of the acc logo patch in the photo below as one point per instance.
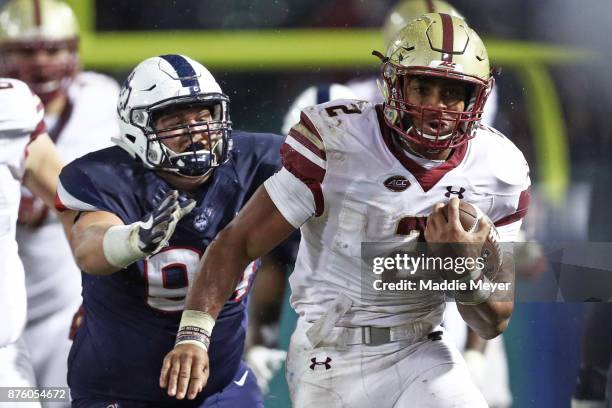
(397, 183)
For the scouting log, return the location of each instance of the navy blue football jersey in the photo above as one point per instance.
(132, 316)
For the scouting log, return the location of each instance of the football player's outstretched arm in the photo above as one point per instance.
(102, 244)
(257, 229)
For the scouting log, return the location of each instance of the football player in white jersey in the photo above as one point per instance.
(486, 360)
(357, 172)
(26, 155)
(38, 44)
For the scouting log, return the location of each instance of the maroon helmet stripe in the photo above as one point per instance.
(448, 37)
(430, 6)
(307, 143)
(37, 13)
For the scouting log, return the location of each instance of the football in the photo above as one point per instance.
(469, 215)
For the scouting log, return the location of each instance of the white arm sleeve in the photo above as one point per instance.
(291, 196)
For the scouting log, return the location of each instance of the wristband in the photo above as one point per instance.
(120, 245)
(195, 328)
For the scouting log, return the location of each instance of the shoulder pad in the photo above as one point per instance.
(328, 117)
(21, 112)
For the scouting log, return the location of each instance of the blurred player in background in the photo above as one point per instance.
(27, 156)
(39, 45)
(355, 350)
(267, 300)
(143, 212)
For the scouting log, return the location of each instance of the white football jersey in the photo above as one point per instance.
(87, 124)
(21, 114)
(345, 181)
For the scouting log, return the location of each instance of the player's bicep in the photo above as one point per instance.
(87, 237)
(259, 226)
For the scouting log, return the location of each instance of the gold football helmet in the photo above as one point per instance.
(38, 44)
(407, 10)
(435, 46)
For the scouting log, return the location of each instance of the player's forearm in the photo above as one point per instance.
(220, 271)
(490, 318)
(88, 249)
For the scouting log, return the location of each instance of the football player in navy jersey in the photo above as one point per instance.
(141, 214)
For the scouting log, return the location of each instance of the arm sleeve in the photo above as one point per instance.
(292, 198)
(296, 188)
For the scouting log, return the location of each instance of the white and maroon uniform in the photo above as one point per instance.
(21, 114)
(336, 162)
(497, 389)
(52, 278)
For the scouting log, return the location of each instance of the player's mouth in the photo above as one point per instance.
(437, 127)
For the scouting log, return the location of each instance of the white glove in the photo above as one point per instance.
(475, 362)
(264, 362)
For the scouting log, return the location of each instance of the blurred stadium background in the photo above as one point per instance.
(555, 103)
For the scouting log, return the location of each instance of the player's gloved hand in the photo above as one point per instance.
(476, 364)
(125, 244)
(156, 228)
(264, 362)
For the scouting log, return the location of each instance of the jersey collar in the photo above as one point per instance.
(426, 178)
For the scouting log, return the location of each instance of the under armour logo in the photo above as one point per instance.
(458, 193)
(316, 363)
